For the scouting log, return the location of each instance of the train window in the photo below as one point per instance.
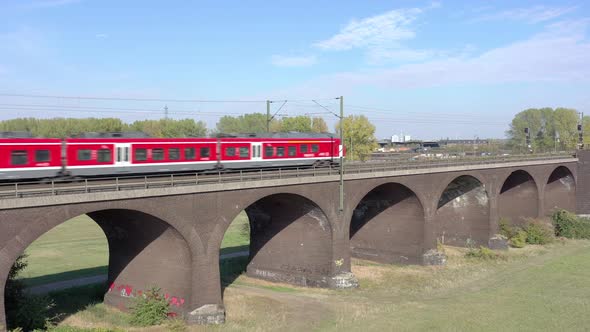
(140, 154)
(174, 153)
(42, 156)
(315, 148)
(158, 154)
(244, 153)
(268, 151)
(84, 154)
(104, 155)
(303, 148)
(230, 152)
(19, 157)
(280, 151)
(292, 151)
(205, 152)
(189, 153)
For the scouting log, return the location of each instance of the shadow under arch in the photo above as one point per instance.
(560, 191)
(144, 251)
(387, 225)
(462, 214)
(518, 198)
(290, 241)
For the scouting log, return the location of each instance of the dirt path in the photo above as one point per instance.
(65, 284)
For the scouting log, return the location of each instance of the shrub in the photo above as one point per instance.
(519, 239)
(27, 312)
(538, 232)
(482, 253)
(571, 226)
(151, 308)
(506, 229)
(516, 236)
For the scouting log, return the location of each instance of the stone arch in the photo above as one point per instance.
(462, 213)
(144, 251)
(518, 198)
(387, 225)
(290, 240)
(560, 191)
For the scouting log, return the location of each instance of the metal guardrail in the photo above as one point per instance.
(104, 184)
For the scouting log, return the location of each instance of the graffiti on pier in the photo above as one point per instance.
(125, 290)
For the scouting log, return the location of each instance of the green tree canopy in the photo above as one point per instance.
(62, 127)
(302, 123)
(256, 123)
(67, 127)
(549, 129)
(247, 123)
(359, 137)
(171, 128)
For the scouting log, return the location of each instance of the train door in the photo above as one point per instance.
(256, 151)
(122, 154)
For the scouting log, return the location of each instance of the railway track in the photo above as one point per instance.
(81, 186)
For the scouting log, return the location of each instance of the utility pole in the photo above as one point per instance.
(581, 132)
(166, 112)
(341, 208)
(268, 116)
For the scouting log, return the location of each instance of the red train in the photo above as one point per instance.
(108, 154)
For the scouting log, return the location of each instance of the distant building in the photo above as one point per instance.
(395, 139)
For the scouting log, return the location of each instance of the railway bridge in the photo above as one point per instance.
(167, 231)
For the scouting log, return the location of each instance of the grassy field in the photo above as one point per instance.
(538, 288)
(78, 248)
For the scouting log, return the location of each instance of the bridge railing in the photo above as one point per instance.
(135, 182)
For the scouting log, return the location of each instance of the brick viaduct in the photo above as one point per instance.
(171, 237)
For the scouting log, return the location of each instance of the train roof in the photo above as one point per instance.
(291, 134)
(15, 134)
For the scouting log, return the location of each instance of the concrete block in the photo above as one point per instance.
(434, 257)
(207, 314)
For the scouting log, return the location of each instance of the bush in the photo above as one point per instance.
(482, 253)
(519, 239)
(538, 232)
(516, 236)
(27, 312)
(151, 308)
(571, 226)
(506, 229)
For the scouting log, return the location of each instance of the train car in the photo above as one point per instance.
(115, 156)
(292, 149)
(112, 154)
(29, 158)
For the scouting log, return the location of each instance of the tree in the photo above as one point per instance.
(566, 124)
(301, 123)
(545, 125)
(171, 128)
(359, 137)
(247, 123)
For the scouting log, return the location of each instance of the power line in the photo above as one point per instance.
(129, 99)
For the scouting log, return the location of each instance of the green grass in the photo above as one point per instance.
(74, 249)
(544, 292)
(237, 236)
(78, 248)
(538, 288)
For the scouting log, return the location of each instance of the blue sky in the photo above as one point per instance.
(428, 68)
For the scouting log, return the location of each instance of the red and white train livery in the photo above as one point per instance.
(35, 158)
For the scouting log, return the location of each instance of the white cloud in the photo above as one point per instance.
(293, 61)
(386, 28)
(559, 54)
(535, 14)
(101, 35)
